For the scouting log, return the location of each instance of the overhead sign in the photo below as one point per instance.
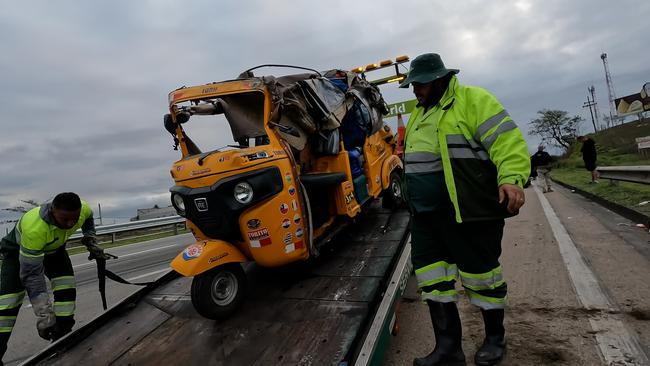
(635, 103)
(402, 107)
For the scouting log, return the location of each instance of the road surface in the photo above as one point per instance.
(139, 262)
(579, 290)
(578, 278)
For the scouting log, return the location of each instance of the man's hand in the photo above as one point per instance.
(96, 252)
(514, 195)
(45, 318)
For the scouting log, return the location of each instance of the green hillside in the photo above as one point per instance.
(616, 146)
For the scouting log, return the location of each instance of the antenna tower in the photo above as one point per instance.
(610, 88)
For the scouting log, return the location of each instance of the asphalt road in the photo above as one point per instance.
(139, 262)
(578, 279)
(578, 287)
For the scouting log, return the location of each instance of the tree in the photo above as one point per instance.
(555, 127)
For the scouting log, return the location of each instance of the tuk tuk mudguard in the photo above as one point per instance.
(205, 255)
(389, 165)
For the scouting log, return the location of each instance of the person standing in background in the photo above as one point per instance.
(541, 162)
(589, 156)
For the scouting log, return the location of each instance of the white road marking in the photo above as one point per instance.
(132, 254)
(167, 269)
(617, 345)
(172, 298)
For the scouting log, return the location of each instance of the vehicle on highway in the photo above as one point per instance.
(308, 150)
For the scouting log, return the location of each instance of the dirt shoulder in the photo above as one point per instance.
(545, 323)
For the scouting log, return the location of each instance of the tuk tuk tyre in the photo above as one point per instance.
(392, 197)
(218, 293)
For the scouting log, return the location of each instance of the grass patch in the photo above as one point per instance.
(624, 193)
(119, 243)
(616, 146)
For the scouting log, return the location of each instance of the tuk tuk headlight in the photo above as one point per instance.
(178, 202)
(243, 192)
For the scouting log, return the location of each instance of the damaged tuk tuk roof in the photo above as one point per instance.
(210, 90)
(311, 102)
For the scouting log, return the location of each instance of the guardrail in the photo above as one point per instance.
(133, 225)
(635, 174)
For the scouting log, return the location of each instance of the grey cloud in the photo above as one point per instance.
(85, 84)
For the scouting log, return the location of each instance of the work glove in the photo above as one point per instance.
(96, 252)
(62, 327)
(45, 318)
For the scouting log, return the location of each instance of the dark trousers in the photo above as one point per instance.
(58, 269)
(444, 251)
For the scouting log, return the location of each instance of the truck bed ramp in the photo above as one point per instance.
(313, 313)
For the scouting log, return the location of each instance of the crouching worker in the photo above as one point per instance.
(35, 249)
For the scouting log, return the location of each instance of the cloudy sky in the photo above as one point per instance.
(83, 85)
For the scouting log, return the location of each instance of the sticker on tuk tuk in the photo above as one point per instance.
(287, 176)
(253, 223)
(193, 251)
(289, 248)
(294, 204)
(259, 238)
(377, 180)
(296, 218)
(292, 190)
(284, 208)
(288, 239)
(347, 185)
(286, 223)
(200, 171)
(299, 244)
(299, 233)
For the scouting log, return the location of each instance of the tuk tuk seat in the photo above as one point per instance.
(322, 180)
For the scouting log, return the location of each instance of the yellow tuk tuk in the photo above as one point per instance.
(308, 150)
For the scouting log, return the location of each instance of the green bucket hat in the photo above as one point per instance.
(426, 68)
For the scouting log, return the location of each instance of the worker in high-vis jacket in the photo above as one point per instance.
(35, 249)
(465, 165)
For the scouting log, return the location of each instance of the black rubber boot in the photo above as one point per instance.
(448, 332)
(494, 345)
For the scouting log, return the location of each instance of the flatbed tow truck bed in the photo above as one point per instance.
(335, 310)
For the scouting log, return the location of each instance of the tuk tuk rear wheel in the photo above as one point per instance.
(217, 293)
(392, 197)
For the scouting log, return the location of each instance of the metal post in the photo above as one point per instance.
(590, 103)
(175, 229)
(112, 237)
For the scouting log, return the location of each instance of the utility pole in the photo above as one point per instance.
(592, 91)
(590, 103)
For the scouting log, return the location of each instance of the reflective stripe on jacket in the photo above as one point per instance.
(479, 145)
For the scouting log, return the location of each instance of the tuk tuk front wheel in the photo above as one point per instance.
(217, 293)
(392, 197)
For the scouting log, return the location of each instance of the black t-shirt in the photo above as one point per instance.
(588, 150)
(541, 158)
